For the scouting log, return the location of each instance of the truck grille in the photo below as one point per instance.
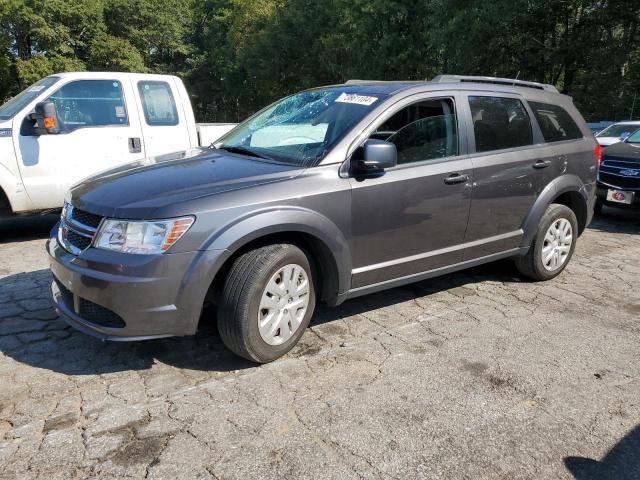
(77, 229)
(620, 172)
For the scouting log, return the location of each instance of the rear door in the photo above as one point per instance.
(164, 123)
(508, 173)
(97, 121)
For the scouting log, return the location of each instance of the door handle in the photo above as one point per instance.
(135, 145)
(456, 178)
(542, 164)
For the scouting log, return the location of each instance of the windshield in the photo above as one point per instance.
(635, 138)
(17, 103)
(618, 131)
(301, 129)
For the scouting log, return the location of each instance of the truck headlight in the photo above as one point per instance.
(148, 237)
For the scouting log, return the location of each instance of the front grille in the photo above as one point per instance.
(77, 229)
(99, 315)
(85, 218)
(78, 241)
(620, 172)
(628, 183)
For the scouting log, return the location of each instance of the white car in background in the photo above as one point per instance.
(618, 132)
(73, 125)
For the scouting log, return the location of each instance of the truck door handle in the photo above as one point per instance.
(456, 178)
(135, 145)
(542, 164)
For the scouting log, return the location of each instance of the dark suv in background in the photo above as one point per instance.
(619, 175)
(328, 194)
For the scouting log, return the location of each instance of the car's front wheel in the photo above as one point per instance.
(552, 246)
(267, 302)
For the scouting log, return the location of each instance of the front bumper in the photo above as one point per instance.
(116, 296)
(601, 193)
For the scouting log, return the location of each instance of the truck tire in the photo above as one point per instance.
(267, 302)
(553, 245)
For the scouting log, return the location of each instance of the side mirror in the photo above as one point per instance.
(377, 156)
(46, 118)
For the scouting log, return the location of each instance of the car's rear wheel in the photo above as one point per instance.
(552, 246)
(267, 302)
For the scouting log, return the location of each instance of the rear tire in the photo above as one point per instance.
(553, 245)
(267, 302)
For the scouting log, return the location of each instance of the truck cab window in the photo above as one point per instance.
(424, 130)
(158, 103)
(90, 103)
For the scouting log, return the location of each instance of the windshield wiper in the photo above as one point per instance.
(243, 151)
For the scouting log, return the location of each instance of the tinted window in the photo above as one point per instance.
(556, 124)
(158, 104)
(422, 131)
(90, 103)
(500, 123)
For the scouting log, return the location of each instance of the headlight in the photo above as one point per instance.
(149, 237)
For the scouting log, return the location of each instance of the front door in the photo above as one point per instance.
(98, 131)
(414, 217)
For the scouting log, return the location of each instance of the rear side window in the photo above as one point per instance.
(556, 124)
(422, 131)
(500, 123)
(158, 103)
(90, 103)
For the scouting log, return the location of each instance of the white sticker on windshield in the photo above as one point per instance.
(37, 88)
(355, 98)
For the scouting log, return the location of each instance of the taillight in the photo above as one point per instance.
(598, 154)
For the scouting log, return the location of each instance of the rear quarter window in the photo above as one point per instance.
(158, 103)
(555, 123)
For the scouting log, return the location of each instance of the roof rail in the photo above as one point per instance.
(494, 80)
(359, 82)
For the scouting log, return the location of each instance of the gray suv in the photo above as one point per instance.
(326, 195)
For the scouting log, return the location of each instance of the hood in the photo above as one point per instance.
(606, 141)
(143, 188)
(622, 150)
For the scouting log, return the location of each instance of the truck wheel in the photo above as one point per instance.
(552, 246)
(267, 302)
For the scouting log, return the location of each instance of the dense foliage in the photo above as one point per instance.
(238, 55)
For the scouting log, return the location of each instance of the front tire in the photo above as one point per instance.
(267, 302)
(553, 245)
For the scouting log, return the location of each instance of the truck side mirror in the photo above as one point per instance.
(46, 118)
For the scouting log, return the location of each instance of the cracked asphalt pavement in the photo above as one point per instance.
(477, 374)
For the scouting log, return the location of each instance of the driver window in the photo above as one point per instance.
(422, 131)
(90, 103)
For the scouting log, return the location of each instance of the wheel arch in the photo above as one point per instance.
(567, 190)
(314, 233)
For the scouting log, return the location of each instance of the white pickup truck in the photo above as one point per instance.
(71, 125)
